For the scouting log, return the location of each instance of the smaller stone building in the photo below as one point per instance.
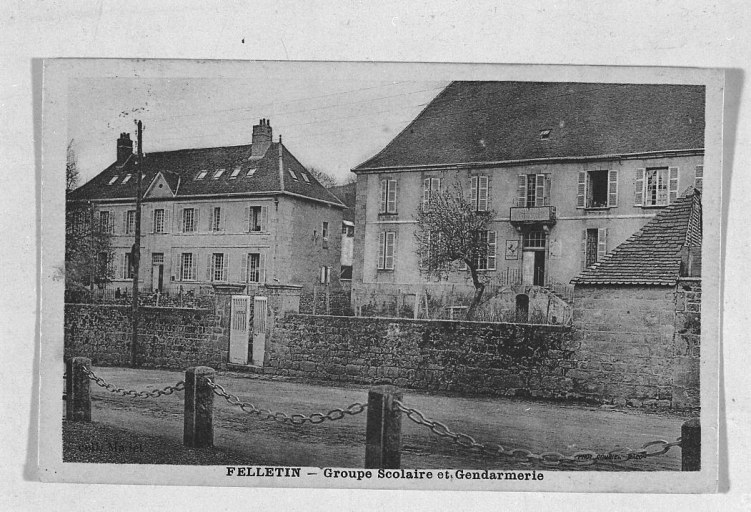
(637, 314)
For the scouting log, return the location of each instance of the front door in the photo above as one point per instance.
(239, 329)
(539, 268)
(259, 330)
(528, 267)
(157, 278)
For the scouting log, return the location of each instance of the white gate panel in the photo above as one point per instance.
(239, 331)
(260, 308)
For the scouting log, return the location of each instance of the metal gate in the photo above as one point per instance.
(259, 329)
(239, 329)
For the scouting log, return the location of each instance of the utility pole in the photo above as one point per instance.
(135, 253)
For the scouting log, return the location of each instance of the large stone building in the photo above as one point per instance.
(571, 170)
(248, 214)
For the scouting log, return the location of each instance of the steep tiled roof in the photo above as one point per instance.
(475, 122)
(181, 168)
(652, 255)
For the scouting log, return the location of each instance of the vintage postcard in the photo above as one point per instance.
(370, 275)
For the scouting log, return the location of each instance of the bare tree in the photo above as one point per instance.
(88, 248)
(323, 177)
(451, 235)
(71, 169)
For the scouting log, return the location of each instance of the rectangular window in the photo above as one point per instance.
(656, 184)
(253, 270)
(533, 190)
(534, 240)
(487, 259)
(187, 267)
(597, 189)
(235, 173)
(105, 222)
(699, 178)
(216, 219)
(128, 270)
(189, 220)
(157, 258)
(386, 250)
(594, 246)
(325, 234)
(159, 220)
(130, 222)
(256, 218)
(430, 186)
(218, 174)
(388, 196)
(217, 267)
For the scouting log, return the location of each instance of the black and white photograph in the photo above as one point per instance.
(381, 275)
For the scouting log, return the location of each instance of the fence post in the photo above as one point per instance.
(77, 390)
(198, 426)
(691, 445)
(383, 432)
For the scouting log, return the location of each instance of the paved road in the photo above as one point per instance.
(530, 425)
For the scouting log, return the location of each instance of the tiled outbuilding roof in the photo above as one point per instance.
(475, 122)
(182, 168)
(346, 194)
(652, 255)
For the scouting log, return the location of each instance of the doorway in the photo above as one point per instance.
(157, 272)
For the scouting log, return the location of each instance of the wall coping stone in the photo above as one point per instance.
(433, 321)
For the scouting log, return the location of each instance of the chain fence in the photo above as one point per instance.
(292, 419)
(548, 458)
(154, 393)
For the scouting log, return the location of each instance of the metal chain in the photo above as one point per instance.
(281, 417)
(168, 390)
(550, 458)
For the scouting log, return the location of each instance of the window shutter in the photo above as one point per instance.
(194, 266)
(581, 190)
(153, 220)
(181, 220)
(602, 243)
(540, 190)
(612, 188)
(384, 187)
(546, 195)
(225, 268)
(699, 177)
(264, 218)
(222, 220)
(584, 249)
(111, 223)
(673, 184)
(391, 205)
(262, 267)
(639, 188)
(247, 219)
(473, 192)
(98, 221)
(381, 249)
(436, 185)
(425, 193)
(174, 271)
(125, 222)
(210, 218)
(209, 258)
(197, 219)
(167, 220)
(521, 191)
(390, 250)
(482, 193)
(491, 250)
(244, 268)
(124, 267)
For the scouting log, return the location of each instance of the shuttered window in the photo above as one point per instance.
(388, 196)
(699, 177)
(386, 250)
(253, 269)
(594, 246)
(430, 186)
(656, 186)
(533, 190)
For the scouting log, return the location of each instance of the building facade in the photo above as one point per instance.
(237, 215)
(570, 171)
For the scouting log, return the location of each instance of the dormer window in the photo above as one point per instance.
(292, 173)
(113, 180)
(235, 173)
(202, 175)
(305, 177)
(251, 172)
(126, 179)
(545, 134)
(218, 174)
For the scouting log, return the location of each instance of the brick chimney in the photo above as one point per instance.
(124, 148)
(261, 138)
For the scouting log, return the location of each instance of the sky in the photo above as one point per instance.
(330, 125)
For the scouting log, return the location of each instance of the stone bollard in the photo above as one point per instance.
(77, 390)
(383, 432)
(691, 445)
(198, 426)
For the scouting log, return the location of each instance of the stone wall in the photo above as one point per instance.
(468, 357)
(634, 347)
(169, 337)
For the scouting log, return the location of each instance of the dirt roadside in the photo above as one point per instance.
(536, 426)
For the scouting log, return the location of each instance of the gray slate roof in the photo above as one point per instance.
(181, 167)
(651, 256)
(475, 122)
